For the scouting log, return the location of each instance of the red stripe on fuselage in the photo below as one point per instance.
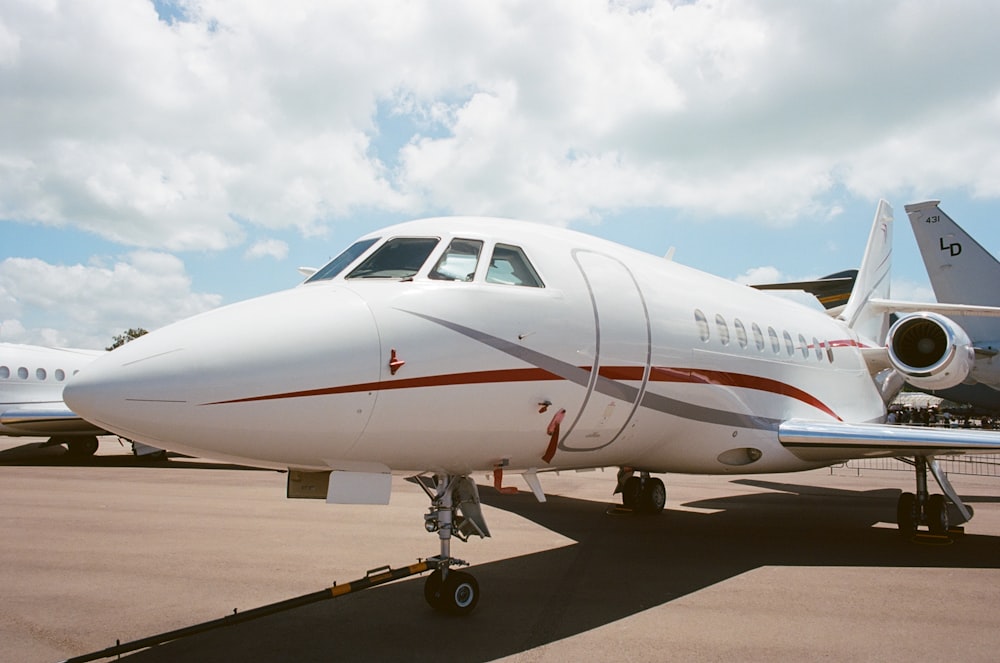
(725, 379)
(477, 377)
(617, 373)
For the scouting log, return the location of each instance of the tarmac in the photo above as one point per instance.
(789, 567)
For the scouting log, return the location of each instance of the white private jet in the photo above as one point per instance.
(965, 278)
(445, 347)
(31, 384)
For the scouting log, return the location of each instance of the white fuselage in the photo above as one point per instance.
(657, 367)
(31, 381)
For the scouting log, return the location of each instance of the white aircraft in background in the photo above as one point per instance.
(32, 378)
(31, 385)
(962, 273)
(445, 347)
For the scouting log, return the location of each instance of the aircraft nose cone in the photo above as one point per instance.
(88, 393)
(229, 383)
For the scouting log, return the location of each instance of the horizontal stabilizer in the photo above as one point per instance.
(830, 441)
(894, 306)
(832, 291)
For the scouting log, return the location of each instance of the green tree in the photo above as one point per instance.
(130, 335)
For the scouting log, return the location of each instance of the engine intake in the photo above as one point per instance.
(930, 351)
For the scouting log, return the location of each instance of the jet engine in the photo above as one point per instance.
(930, 351)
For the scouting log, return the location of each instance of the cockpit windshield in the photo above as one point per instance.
(459, 261)
(338, 264)
(398, 258)
(510, 266)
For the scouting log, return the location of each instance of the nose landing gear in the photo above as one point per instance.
(454, 511)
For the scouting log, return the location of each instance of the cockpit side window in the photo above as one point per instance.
(398, 258)
(510, 266)
(338, 264)
(458, 262)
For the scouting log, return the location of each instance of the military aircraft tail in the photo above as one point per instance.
(959, 268)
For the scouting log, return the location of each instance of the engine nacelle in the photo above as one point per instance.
(930, 351)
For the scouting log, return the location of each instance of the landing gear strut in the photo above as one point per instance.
(455, 512)
(922, 508)
(642, 494)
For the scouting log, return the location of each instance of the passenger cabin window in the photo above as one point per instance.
(41, 374)
(720, 322)
(510, 266)
(459, 261)
(702, 323)
(22, 373)
(819, 351)
(340, 263)
(60, 374)
(741, 332)
(804, 345)
(399, 258)
(4, 372)
(789, 345)
(775, 343)
(758, 337)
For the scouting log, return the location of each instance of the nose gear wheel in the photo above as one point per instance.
(454, 511)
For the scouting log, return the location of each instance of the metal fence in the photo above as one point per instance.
(986, 465)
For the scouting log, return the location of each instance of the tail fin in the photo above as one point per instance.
(958, 267)
(873, 281)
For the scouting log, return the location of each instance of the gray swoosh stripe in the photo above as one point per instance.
(608, 387)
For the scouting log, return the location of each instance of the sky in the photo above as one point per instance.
(161, 158)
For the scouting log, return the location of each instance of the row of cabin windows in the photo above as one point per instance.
(40, 373)
(777, 344)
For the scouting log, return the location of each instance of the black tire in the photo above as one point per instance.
(432, 589)
(83, 447)
(937, 514)
(632, 493)
(459, 593)
(654, 497)
(907, 516)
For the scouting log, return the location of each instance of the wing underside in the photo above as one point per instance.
(831, 442)
(47, 420)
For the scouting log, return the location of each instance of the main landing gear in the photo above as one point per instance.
(921, 508)
(77, 448)
(454, 511)
(641, 494)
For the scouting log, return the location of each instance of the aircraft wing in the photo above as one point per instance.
(46, 419)
(830, 441)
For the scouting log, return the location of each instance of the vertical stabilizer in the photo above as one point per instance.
(961, 271)
(873, 281)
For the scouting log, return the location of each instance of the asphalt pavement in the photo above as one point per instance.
(790, 567)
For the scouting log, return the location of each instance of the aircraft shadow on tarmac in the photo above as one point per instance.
(35, 454)
(619, 565)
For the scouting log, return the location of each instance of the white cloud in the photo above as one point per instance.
(905, 290)
(767, 274)
(91, 303)
(273, 248)
(177, 135)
